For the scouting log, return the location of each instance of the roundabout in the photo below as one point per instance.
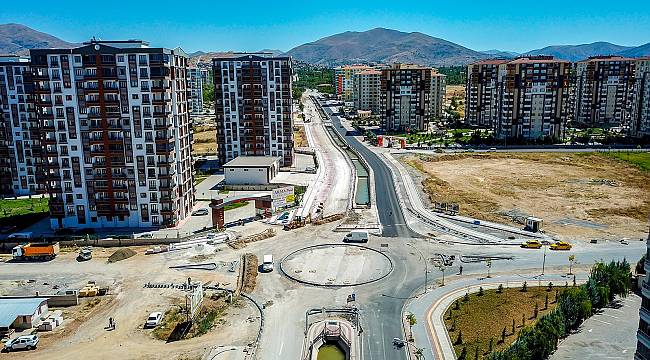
(336, 265)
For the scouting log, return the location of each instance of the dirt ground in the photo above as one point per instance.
(84, 333)
(579, 196)
(205, 141)
(299, 137)
(455, 90)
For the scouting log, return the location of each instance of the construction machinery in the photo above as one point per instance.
(34, 251)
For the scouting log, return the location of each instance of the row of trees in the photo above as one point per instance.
(575, 304)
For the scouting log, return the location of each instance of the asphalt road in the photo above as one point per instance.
(390, 212)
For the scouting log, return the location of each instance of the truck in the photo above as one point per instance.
(33, 251)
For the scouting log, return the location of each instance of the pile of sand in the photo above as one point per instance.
(121, 254)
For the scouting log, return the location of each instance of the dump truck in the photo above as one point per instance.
(38, 252)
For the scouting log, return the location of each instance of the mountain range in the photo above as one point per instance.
(377, 45)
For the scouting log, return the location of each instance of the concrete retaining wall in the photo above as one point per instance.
(52, 300)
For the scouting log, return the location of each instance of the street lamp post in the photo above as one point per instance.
(488, 262)
(544, 261)
(426, 268)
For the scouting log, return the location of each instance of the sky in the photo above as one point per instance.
(255, 25)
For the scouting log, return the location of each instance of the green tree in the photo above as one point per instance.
(524, 287)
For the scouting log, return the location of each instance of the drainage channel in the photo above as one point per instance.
(362, 194)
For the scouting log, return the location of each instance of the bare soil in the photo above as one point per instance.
(579, 196)
(299, 137)
(250, 273)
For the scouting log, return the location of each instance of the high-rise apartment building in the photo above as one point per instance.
(20, 148)
(643, 334)
(253, 106)
(604, 91)
(438, 89)
(195, 92)
(640, 116)
(366, 91)
(405, 97)
(344, 80)
(482, 93)
(534, 98)
(115, 134)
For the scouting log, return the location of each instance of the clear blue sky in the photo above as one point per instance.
(253, 25)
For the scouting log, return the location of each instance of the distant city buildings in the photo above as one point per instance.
(406, 97)
(536, 97)
(115, 134)
(21, 170)
(253, 106)
(604, 92)
(195, 86)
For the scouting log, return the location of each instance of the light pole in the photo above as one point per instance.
(544, 261)
(572, 258)
(426, 268)
(488, 262)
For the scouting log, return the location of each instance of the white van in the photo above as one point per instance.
(356, 236)
(267, 265)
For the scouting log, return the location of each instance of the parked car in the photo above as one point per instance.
(561, 245)
(267, 265)
(531, 244)
(27, 342)
(153, 320)
(200, 212)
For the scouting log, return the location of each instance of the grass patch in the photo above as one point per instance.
(210, 314)
(14, 207)
(479, 318)
(198, 178)
(638, 159)
(236, 205)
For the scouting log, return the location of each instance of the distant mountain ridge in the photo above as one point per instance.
(18, 39)
(377, 45)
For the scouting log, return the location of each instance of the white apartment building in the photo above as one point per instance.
(253, 106)
(20, 148)
(195, 85)
(116, 134)
(641, 104)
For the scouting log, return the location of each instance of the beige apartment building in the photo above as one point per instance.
(366, 91)
(438, 89)
(604, 91)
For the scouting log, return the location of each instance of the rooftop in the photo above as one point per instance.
(10, 309)
(252, 161)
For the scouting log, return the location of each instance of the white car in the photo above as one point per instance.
(153, 320)
(201, 212)
(22, 342)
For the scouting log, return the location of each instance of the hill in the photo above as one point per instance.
(386, 46)
(18, 39)
(643, 50)
(580, 52)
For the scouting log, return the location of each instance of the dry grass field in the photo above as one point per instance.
(579, 196)
(205, 141)
(299, 137)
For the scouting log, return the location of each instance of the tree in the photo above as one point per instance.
(503, 335)
(419, 353)
(411, 318)
(524, 287)
(463, 354)
(457, 306)
(459, 338)
(500, 289)
(549, 287)
(480, 291)
(466, 297)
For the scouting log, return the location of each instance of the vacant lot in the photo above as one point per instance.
(205, 141)
(579, 196)
(485, 316)
(299, 136)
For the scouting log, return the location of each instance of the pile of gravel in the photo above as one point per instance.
(121, 254)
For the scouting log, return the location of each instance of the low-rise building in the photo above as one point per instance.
(251, 170)
(21, 313)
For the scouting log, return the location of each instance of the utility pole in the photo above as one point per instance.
(572, 258)
(488, 262)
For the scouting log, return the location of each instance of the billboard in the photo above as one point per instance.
(193, 299)
(282, 197)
